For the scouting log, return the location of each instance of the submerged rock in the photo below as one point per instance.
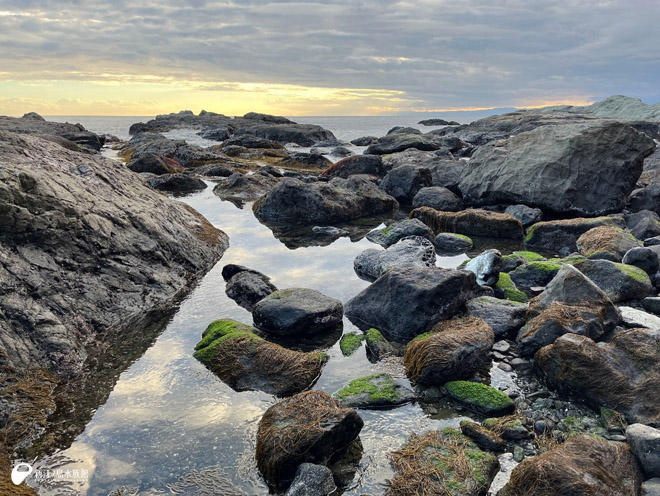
(431, 462)
(584, 465)
(412, 251)
(374, 391)
(393, 233)
(586, 168)
(295, 202)
(311, 427)
(470, 222)
(622, 374)
(297, 311)
(453, 349)
(406, 302)
(245, 361)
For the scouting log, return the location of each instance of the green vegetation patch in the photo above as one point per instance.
(221, 328)
(634, 272)
(511, 292)
(350, 343)
(380, 388)
(480, 396)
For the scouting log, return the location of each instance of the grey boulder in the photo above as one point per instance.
(486, 267)
(644, 442)
(312, 480)
(412, 251)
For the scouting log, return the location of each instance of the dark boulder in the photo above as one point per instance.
(398, 142)
(439, 198)
(155, 164)
(177, 183)
(452, 243)
(470, 222)
(404, 182)
(364, 141)
(643, 224)
(240, 188)
(391, 234)
(356, 164)
(249, 287)
(301, 160)
(562, 235)
(249, 141)
(412, 251)
(526, 215)
(620, 282)
(503, 316)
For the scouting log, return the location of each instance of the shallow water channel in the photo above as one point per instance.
(170, 426)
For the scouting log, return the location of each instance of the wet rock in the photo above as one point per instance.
(364, 141)
(504, 317)
(470, 222)
(643, 224)
(374, 391)
(644, 442)
(453, 349)
(241, 188)
(398, 142)
(245, 361)
(312, 480)
(377, 346)
(606, 243)
(577, 467)
(439, 198)
(452, 243)
(297, 311)
(295, 202)
(485, 439)
(177, 183)
(356, 164)
(249, 287)
(431, 462)
(406, 302)
(643, 258)
(486, 267)
(526, 215)
(155, 164)
(412, 251)
(518, 258)
(481, 397)
(303, 160)
(611, 156)
(350, 343)
(621, 374)
(395, 232)
(557, 235)
(404, 182)
(311, 427)
(633, 317)
(620, 282)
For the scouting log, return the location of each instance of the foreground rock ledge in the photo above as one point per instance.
(86, 248)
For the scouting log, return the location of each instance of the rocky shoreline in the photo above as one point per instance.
(551, 347)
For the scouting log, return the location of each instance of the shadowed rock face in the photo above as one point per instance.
(586, 168)
(84, 250)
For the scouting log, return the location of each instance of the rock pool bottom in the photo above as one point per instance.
(170, 426)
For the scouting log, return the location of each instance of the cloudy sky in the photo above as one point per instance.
(346, 57)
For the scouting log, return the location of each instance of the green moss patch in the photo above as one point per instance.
(634, 272)
(376, 390)
(509, 290)
(480, 397)
(350, 343)
(530, 256)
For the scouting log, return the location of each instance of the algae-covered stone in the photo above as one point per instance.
(309, 427)
(518, 258)
(583, 465)
(620, 282)
(377, 346)
(481, 397)
(606, 243)
(472, 222)
(453, 349)
(510, 428)
(506, 289)
(484, 438)
(563, 234)
(374, 391)
(245, 361)
(535, 274)
(452, 243)
(296, 311)
(441, 462)
(350, 343)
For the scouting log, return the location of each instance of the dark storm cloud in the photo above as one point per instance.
(442, 54)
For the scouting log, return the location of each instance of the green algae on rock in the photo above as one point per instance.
(506, 289)
(481, 397)
(244, 361)
(377, 346)
(374, 391)
(350, 343)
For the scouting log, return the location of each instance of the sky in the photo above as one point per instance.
(347, 57)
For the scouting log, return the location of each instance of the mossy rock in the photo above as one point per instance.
(606, 243)
(506, 289)
(377, 346)
(510, 427)
(535, 274)
(444, 463)
(484, 438)
(350, 343)
(481, 397)
(245, 361)
(518, 258)
(374, 391)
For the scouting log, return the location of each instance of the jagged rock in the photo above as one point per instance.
(526, 215)
(406, 302)
(583, 465)
(586, 168)
(560, 235)
(439, 198)
(470, 222)
(32, 123)
(244, 361)
(606, 243)
(295, 202)
(503, 316)
(622, 374)
(394, 233)
(412, 251)
(311, 427)
(297, 311)
(453, 349)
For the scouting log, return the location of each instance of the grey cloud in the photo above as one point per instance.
(448, 54)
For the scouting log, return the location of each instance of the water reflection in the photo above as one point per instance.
(170, 423)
